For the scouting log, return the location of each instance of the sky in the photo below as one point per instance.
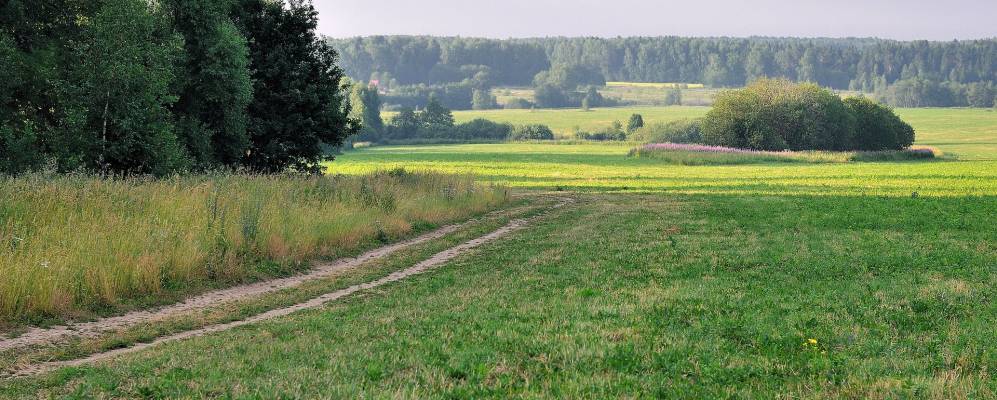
(892, 19)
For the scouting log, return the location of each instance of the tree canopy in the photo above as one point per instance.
(781, 115)
(138, 87)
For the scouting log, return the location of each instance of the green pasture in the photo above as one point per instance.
(970, 134)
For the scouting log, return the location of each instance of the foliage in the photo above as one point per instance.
(635, 122)
(119, 95)
(482, 129)
(963, 132)
(215, 84)
(856, 64)
(678, 131)
(138, 87)
(482, 99)
(878, 127)
(519, 104)
(550, 96)
(366, 103)
(780, 115)
(921, 92)
(612, 132)
(673, 97)
(532, 132)
(299, 105)
(455, 96)
(570, 77)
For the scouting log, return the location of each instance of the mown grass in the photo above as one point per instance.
(75, 246)
(688, 296)
(969, 134)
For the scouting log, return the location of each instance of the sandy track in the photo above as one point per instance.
(40, 336)
(432, 262)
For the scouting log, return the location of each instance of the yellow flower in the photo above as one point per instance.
(812, 342)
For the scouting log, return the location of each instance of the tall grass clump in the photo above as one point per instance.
(74, 245)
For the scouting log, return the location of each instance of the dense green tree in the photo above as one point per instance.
(593, 98)
(570, 77)
(215, 86)
(366, 103)
(483, 100)
(436, 117)
(118, 116)
(635, 122)
(532, 132)
(300, 104)
(404, 125)
(780, 115)
(981, 94)
(877, 127)
(807, 70)
(37, 49)
(550, 96)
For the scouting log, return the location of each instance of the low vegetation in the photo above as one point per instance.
(686, 154)
(75, 245)
(624, 295)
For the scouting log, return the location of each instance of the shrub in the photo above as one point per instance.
(612, 132)
(519, 104)
(636, 122)
(532, 132)
(878, 128)
(680, 131)
(482, 129)
(780, 115)
(550, 96)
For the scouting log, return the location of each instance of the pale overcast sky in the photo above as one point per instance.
(895, 19)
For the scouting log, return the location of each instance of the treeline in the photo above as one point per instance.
(434, 123)
(836, 63)
(870, 65)
(133, 86)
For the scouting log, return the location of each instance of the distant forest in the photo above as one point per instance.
(917, 73)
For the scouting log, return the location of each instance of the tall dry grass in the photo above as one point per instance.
(74, 245)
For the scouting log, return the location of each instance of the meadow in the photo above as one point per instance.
(761, 280)
(966, 133)
(78, 246)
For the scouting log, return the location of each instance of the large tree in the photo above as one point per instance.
(215, 87)
(300, 105)
(119, 93)
(367, 109)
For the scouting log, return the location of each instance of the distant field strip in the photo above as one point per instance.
(657, 85)
(970, 134)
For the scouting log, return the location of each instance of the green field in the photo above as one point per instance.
(967, 133)
(773, 280)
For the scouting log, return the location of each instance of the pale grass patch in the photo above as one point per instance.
(71, 244)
